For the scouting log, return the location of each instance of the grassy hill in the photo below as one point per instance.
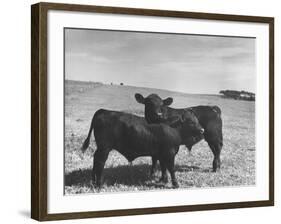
(82, 99)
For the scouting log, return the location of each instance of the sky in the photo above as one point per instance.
(176, 62)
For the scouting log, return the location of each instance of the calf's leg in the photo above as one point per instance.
(164, 177)
(213, 135)
(100, 157)
(216, 149)
(153, 167)
(170, 163)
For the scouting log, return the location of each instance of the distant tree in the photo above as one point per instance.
(121, 84)
(238, 95)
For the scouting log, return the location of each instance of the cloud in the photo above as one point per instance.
(160, 59)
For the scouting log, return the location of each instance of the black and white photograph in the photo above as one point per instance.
(136, 111)
(148, 111)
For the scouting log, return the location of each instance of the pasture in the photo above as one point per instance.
(83, 99)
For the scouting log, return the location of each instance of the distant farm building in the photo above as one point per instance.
(238, 95)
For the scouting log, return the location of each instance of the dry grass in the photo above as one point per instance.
(238, 154)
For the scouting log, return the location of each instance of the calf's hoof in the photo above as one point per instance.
(216, 170)
(164, 179)
(175, 185)
(153, 174)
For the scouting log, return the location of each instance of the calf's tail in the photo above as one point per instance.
(87, 140)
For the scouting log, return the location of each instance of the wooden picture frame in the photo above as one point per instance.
(39, 110)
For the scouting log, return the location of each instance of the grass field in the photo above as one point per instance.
(82, 99)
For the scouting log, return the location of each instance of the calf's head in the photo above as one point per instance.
(156, 111)
(188, 123)
(155, 108)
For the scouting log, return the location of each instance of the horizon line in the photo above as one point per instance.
(175, 91)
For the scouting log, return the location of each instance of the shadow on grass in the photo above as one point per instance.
(186, 168)
(135, 175)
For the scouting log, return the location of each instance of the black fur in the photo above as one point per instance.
(133, 137)
(157, 110)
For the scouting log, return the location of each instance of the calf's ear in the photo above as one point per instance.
(139, 98)
(168, 101)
